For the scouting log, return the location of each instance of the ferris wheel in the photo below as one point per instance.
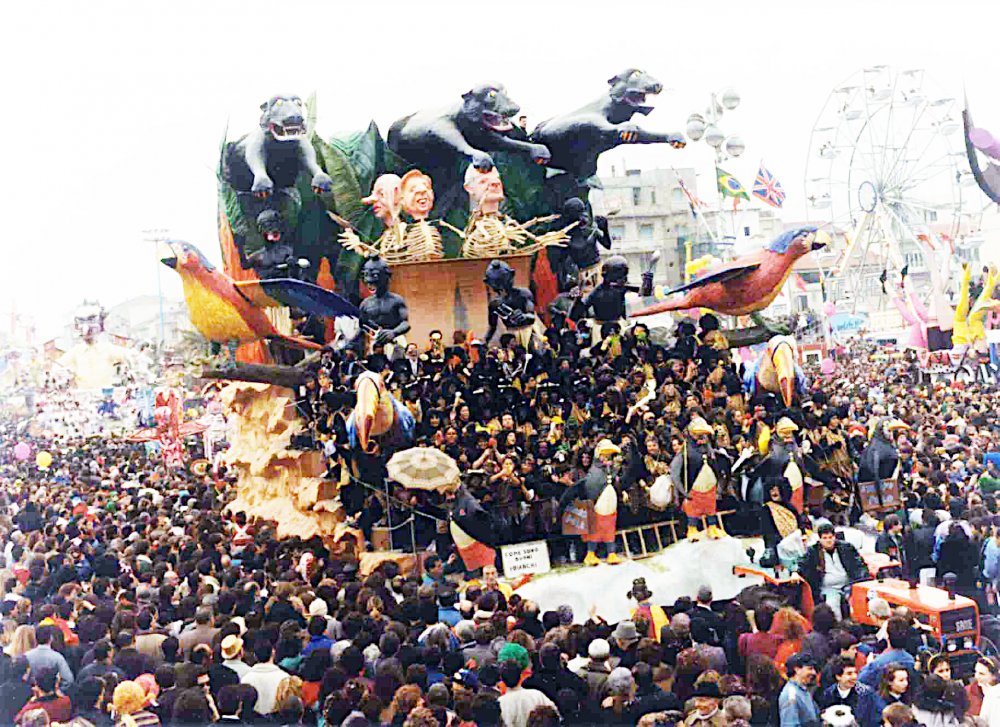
(887, 167)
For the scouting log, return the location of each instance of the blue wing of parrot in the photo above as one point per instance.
(309, 297)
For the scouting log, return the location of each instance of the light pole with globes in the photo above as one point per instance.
(706, 127)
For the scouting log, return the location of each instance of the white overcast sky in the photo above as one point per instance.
(115, 110)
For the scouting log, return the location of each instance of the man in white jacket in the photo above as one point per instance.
(264, 676)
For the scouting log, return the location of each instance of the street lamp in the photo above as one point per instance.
(706, 127)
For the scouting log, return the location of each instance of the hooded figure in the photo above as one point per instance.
(879, 461)
(784, 462)
(599, 488)
(695, 474)
(778, 520)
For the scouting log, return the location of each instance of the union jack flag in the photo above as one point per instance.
(767, 188)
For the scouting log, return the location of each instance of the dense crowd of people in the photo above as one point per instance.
(130, 596)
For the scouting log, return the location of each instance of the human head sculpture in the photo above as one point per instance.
(417, 194)
(485, 189)
(375, 273)
(386, 199)
(499, 276)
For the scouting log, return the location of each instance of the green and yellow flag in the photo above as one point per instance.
(729, 186)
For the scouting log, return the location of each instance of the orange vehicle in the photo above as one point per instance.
(952, 619)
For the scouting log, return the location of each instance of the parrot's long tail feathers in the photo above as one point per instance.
(300, 343)
(673, 302)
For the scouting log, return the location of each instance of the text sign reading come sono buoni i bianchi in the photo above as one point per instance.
(525, 558)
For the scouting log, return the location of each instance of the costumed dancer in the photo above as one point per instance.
(599, 488)
(645, 609)
(694, 474)
(472, 529)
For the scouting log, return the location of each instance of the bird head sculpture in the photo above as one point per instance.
(799, 241)
(184, 257)
(781, 352)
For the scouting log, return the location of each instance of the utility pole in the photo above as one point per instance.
(155, 237)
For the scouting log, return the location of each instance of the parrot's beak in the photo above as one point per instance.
(364, 413)
(784, 368)
(820, 240)
(169, 257)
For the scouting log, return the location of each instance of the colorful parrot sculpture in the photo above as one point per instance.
(776, 371)
(744, 285)
(232, 312)
(378, 414)
(170, 429)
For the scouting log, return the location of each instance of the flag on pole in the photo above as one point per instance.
(767, 188)
(693, 202)
(729, 186)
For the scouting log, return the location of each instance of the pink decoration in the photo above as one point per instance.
(827, 366)
(22, 450)
(829, 308)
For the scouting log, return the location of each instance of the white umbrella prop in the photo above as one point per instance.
(424, 468)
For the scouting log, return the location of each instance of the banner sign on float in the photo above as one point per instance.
(847, 322)
(525, 558)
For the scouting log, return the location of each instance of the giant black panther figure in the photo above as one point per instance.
(442, 142)
(273, 156)
(467, 131)
(576, 139)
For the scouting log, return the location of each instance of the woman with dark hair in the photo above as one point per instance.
(895, 685)
(958, 555)
(817, 642)
(89, 702)
(15, 692)
(690, 664)
(312, 672)
(761, 642)
(192, 708)
(736, 625)
(939, 703)
(764, 684)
